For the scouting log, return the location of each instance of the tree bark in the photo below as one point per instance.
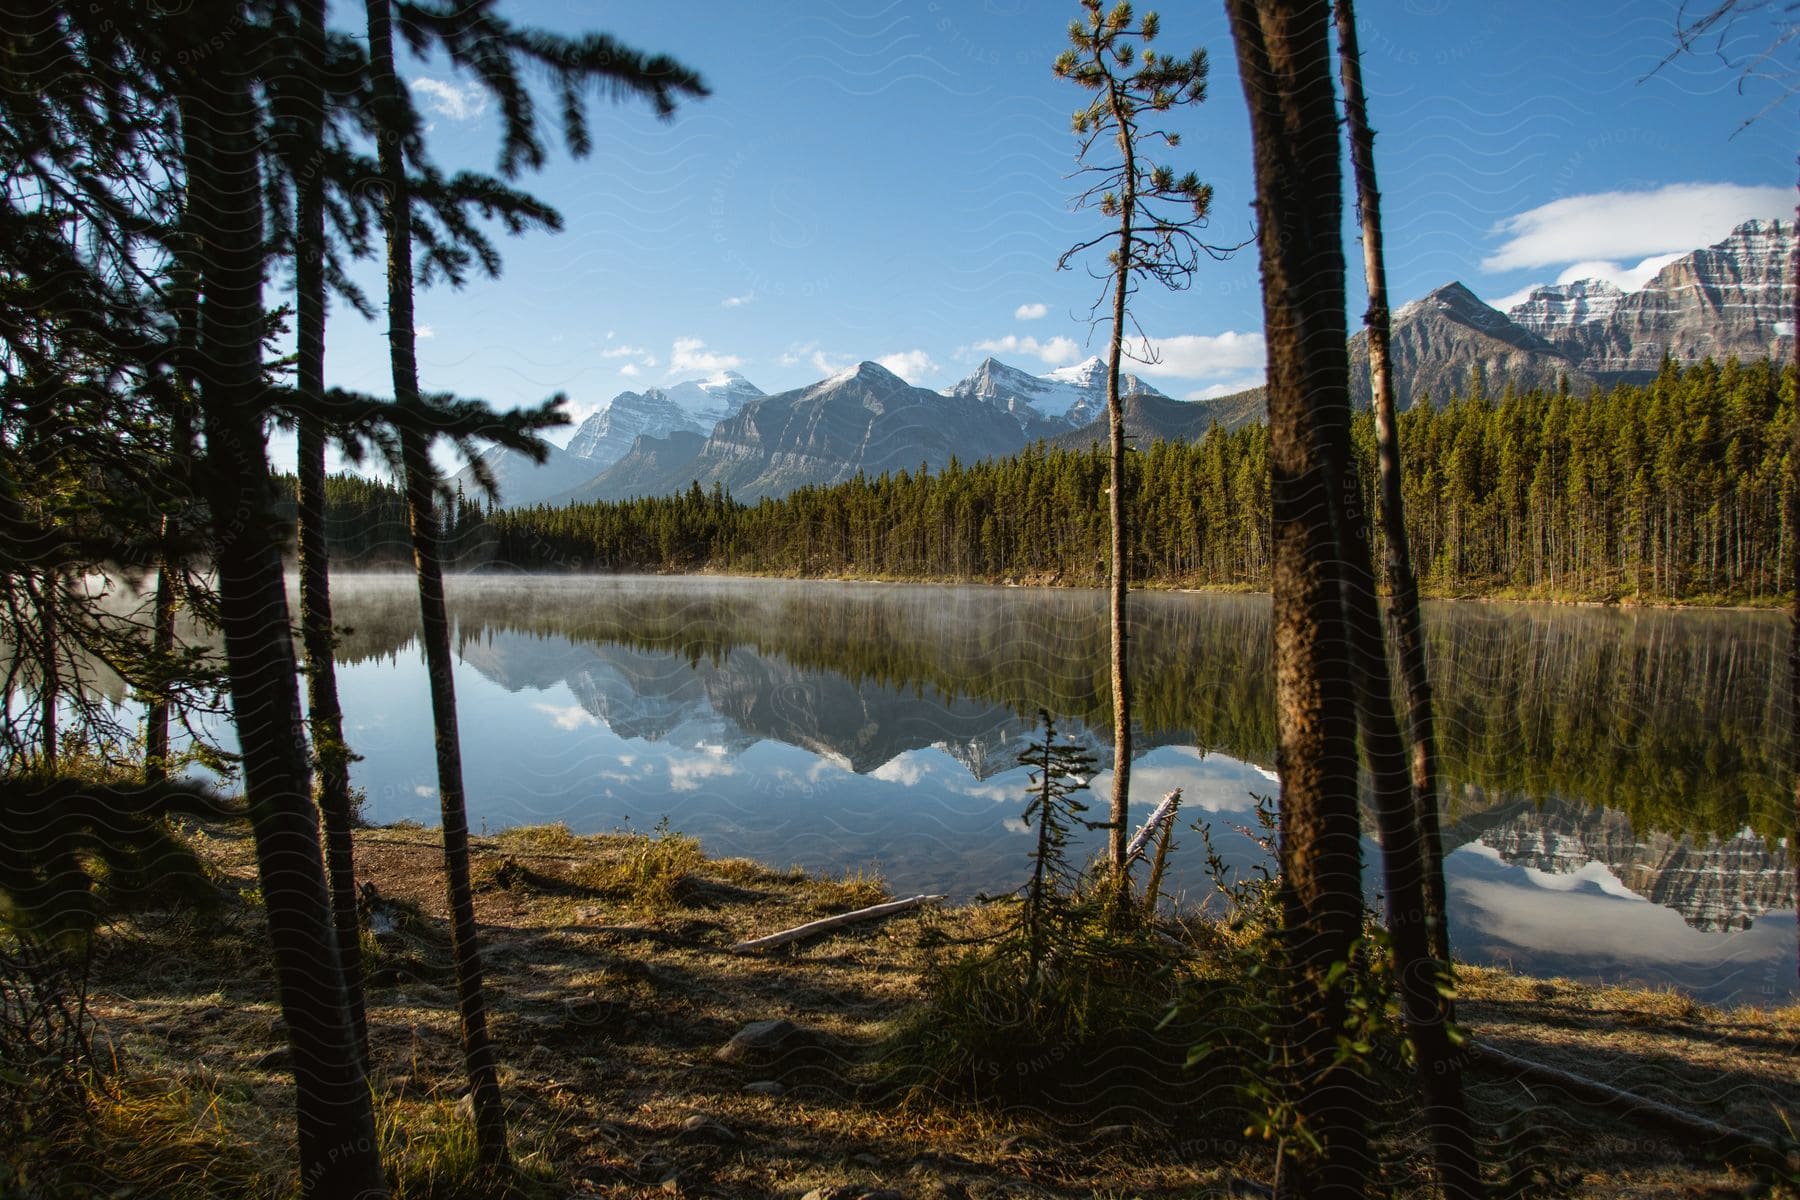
(1403, 585)
(162, 642)
(419, 479)
(49, 683)
(336, 1126)
(1117, 581)
(323, 709)
(1405, 855)
(1284, 60)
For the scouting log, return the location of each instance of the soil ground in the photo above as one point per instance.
(612, 987)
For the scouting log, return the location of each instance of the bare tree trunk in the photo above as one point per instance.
(420, 476)
(1403, 584)
(325, 713)
(339, 1155)
(1284, 59)
(162, 642)
(49, 682)
(1117, 583)
(1404, 854)
(1116, 589)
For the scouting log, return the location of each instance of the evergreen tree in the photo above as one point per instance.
(1058, 773)
(1157, 215)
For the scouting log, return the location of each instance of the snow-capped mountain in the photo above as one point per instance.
(1068, 397)
(865, 419)
(1733, 298)
(694, 406)
(1442, 337)
(1556, 309)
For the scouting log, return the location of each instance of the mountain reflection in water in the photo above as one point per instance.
(1616, 779)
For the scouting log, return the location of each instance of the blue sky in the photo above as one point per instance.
(888, 179)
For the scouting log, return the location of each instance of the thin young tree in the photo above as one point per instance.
(1405, 806)
(472, 36)
(1157, 216)
(1405, 622)
(331, 754)
(1284, 58)
(418, 482)
(223, 172)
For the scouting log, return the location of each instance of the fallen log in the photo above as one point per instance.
(826, 924)
(1701, 1129)
(1160, 816)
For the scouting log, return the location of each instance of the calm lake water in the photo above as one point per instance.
(1617, 788)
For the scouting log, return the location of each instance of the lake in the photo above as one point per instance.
(1616, 796)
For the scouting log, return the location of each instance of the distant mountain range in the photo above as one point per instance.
(866, 420)
(1731, 299)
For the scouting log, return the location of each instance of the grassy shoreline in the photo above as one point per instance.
(613, 989)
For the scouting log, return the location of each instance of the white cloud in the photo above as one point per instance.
(910, 365)
(687, 774)
(629, 370)
(738, 301)
(459, 102)
(691, 354)
(1628, 279)
(826, 365)
(570, 716)
(1229, 387)
(1202, 356)
(621, 351)
(907, 770)
(422, 332)
(1509, 302)
(1055, 352)
(1030, 312)
(1610, 226)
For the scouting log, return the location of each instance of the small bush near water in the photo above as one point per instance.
(1084, 1010)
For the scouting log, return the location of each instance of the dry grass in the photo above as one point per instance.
(611, 986)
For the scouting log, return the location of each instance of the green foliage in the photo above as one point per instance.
(1246, 945)
(1527, 494)
(649, 870)
(72, 845)
(1067, 1011)
(1059, 772)
(1129, 89)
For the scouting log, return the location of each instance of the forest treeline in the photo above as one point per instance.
(1665, 491)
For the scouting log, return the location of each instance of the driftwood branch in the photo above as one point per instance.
(1162, 815)
(826, 924)
(1699, 1129)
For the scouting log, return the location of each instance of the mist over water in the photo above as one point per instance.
(1616, 785)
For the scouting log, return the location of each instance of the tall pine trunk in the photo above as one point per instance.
(323, 710)
(1117, 581)
(49, 682)
(1403, 584)
(1406, 855)
(478, 1051)
(336, 1126)
(1284, 59)
(162, 644)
